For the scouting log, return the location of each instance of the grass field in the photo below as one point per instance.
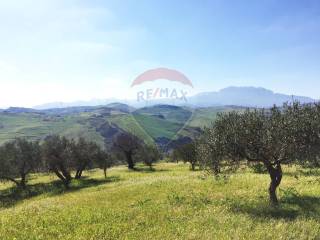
(168, 203)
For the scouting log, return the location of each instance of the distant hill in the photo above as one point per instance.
(90, 103)
(164, 125)
(244, 96)
(20, 110)
(120, 106)
(235, 96)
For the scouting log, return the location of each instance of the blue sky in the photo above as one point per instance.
(67, 50)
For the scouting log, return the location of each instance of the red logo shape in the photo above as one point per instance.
(162, 73)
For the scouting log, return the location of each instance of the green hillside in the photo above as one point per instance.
(205, 116)
(99, 124)
(157, 127)
(36, 127)
(128, 123)
(170, 113)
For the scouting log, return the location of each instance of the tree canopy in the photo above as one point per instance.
(18, 158)
(276, 136)
(127, 144)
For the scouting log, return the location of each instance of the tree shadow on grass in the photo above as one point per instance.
(11, 196)
(289, 209)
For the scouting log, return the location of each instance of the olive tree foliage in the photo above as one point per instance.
(84, 155)
(62, 156)
(103, 160)
(127, 144)
(307, 124)
(174, 156)
(17, 159)
(149, 155)
(210, 151)
(188, 154)
(20, 157)
(273, 137)
(58, 157)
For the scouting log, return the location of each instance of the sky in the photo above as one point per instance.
(68, 50)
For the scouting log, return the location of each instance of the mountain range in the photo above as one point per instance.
(235, 96)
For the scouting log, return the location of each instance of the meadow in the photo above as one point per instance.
(170, 202)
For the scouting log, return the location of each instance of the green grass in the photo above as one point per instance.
(169, 203)
(157, 127)
(170, 113)
(128, 123)
(35, 127)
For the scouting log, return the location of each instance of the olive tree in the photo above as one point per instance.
(84, 154)
(149, 155)
(103, 160)
(128, 145)
(272, 137)
(306, 124)
(17, 159)
(57, 155)
(209, 150)
(174, 155)
(188, 153)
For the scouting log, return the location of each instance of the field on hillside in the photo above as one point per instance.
(156, 124)
(99, 124)
(168, 203)
(35, 127)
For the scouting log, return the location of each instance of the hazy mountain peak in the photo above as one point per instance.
(245, 96)
(237, 96)
(256, 90)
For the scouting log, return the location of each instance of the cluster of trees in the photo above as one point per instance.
(133, 150)
(56, 154)
(272, 137)
(186, 153)
(264, 138)
(63, 157)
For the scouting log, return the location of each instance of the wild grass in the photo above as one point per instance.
(168, 203)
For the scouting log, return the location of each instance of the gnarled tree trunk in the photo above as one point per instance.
(193, 166)
(275, 173)
(80, 171)
(105, 172)
(64, 176)
(130, 160)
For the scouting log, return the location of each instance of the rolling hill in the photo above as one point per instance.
(160, 124)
